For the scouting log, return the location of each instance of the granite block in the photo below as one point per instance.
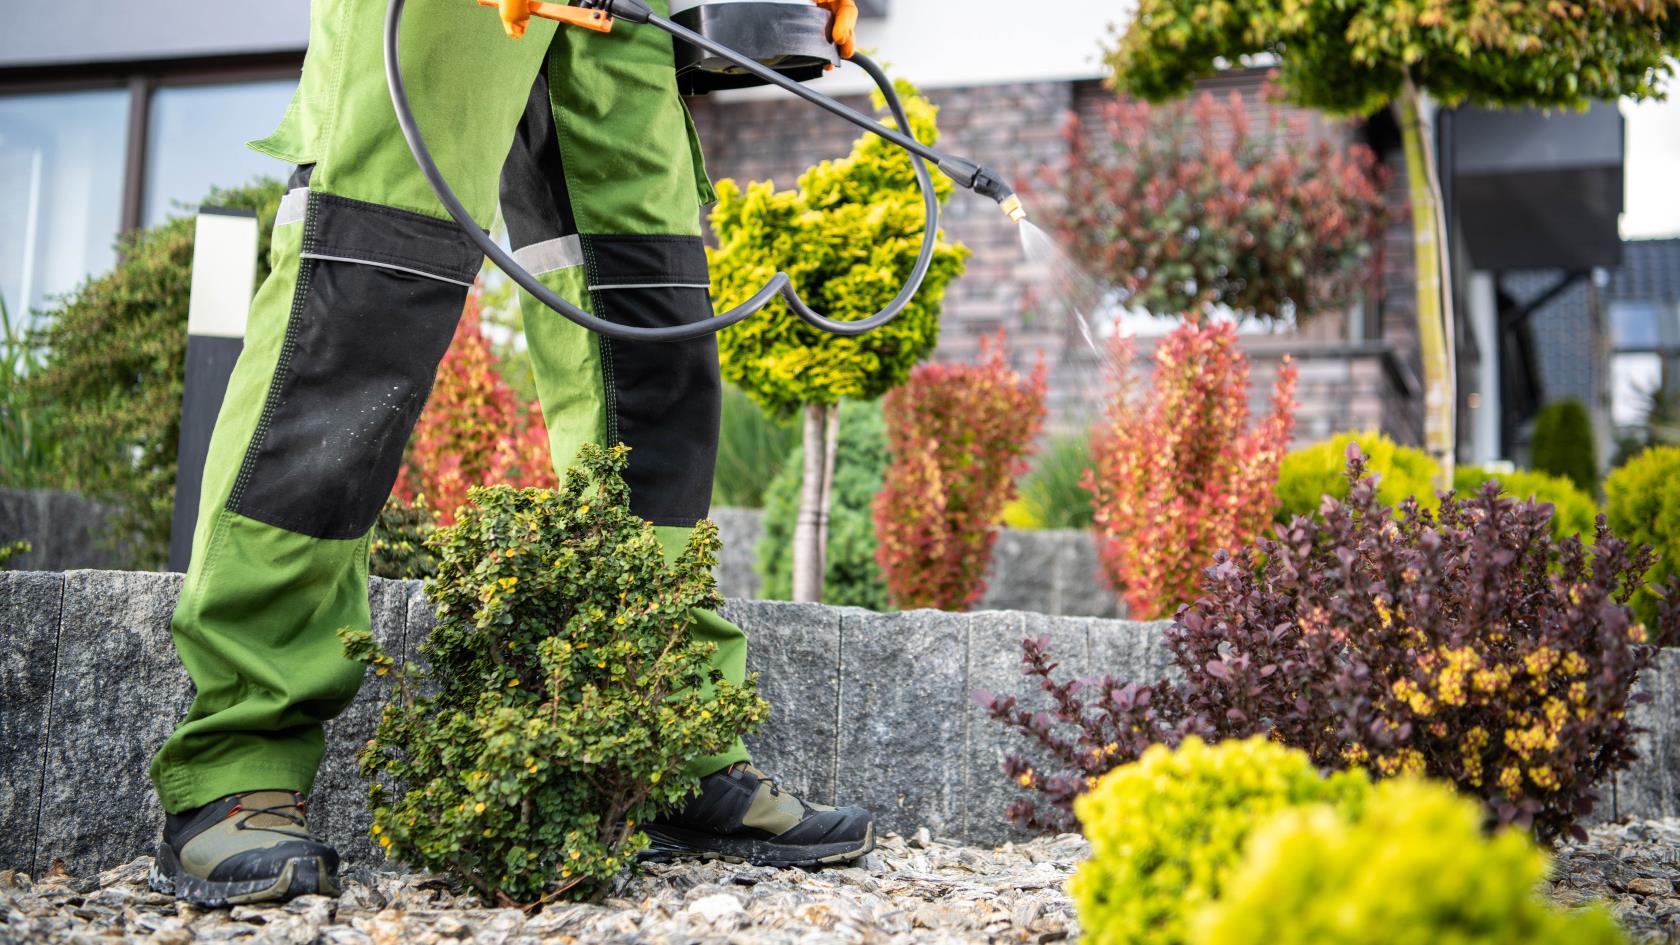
(118, 692)
(1648, 787)
(338, 804)
(795, 649)
(902, 718)
(994, 665)
(1130, 650)
(29, 612)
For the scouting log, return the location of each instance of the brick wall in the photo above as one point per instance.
(1017, 128)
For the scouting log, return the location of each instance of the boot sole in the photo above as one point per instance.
(666, 844)
(301, 876)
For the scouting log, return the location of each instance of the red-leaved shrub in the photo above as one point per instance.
(1466, 644)
(474, 431)
(1093, 726)
(1187, 206)
(1178, 476)
(959, 435)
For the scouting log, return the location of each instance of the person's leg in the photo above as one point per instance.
(344, 337)
(602, 195)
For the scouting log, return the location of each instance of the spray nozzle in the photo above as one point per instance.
(986, 183)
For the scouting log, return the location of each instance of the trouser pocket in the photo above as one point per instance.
(378, 295)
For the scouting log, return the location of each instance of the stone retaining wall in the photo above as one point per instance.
(869, 708)
(64, 530)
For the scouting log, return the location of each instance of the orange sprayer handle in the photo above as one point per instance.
(596, 20)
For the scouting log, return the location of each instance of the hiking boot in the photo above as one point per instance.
(740, 815)
(250, 847)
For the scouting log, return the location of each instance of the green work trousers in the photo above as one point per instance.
(585, 141)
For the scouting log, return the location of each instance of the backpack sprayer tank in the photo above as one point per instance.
(721, 44)
(789, 36)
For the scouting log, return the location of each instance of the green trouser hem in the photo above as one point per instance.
(731, 660)
(194, 786)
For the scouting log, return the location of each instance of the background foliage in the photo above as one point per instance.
(751, 450)
(1563, 444)
(1050, 494)
(1351, 57)
(474, 430)
(1642, 504)
(565, 696)
(958, 435)
(1312, 472)
(1190, 207)
(847, 234)
(109, 389)
(1179, 474)
(398, 547)
(28, 454)
(851, 575)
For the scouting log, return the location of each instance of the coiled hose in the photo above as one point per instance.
(780, 284)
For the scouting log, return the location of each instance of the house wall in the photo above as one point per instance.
(1352, 377)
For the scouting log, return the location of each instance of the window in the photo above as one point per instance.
(1646, 359)
(196, 140)
(61, 180)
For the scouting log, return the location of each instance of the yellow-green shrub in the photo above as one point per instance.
(1642, 504)
(847, 235)
(1167, 830)
(1313, 472)
(1414, 867)
(1573, 512)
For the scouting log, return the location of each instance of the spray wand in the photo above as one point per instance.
(600, 15)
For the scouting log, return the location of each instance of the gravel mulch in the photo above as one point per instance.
(909, 891)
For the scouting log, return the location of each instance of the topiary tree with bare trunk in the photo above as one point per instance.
(848, 235)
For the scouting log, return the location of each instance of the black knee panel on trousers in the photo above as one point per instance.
(664, 399)
(378, 295)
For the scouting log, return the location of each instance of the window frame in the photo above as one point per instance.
(141, 80)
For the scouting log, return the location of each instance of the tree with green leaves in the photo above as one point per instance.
(1564, 445)
(848, 235)
(114, 363)
(1353, 57)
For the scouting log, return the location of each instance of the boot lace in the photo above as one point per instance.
(293, 811)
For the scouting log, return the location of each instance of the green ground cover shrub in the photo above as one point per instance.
(851, 577)
(1563, 444)
(1320, 469)
(1573, 512)
(1050, 494)
(1167, 832)
(752, 447)
(565, 694)
(1413, 866)
(1642, 504)
(115, 359)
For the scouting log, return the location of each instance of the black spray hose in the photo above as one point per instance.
(964, 172)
